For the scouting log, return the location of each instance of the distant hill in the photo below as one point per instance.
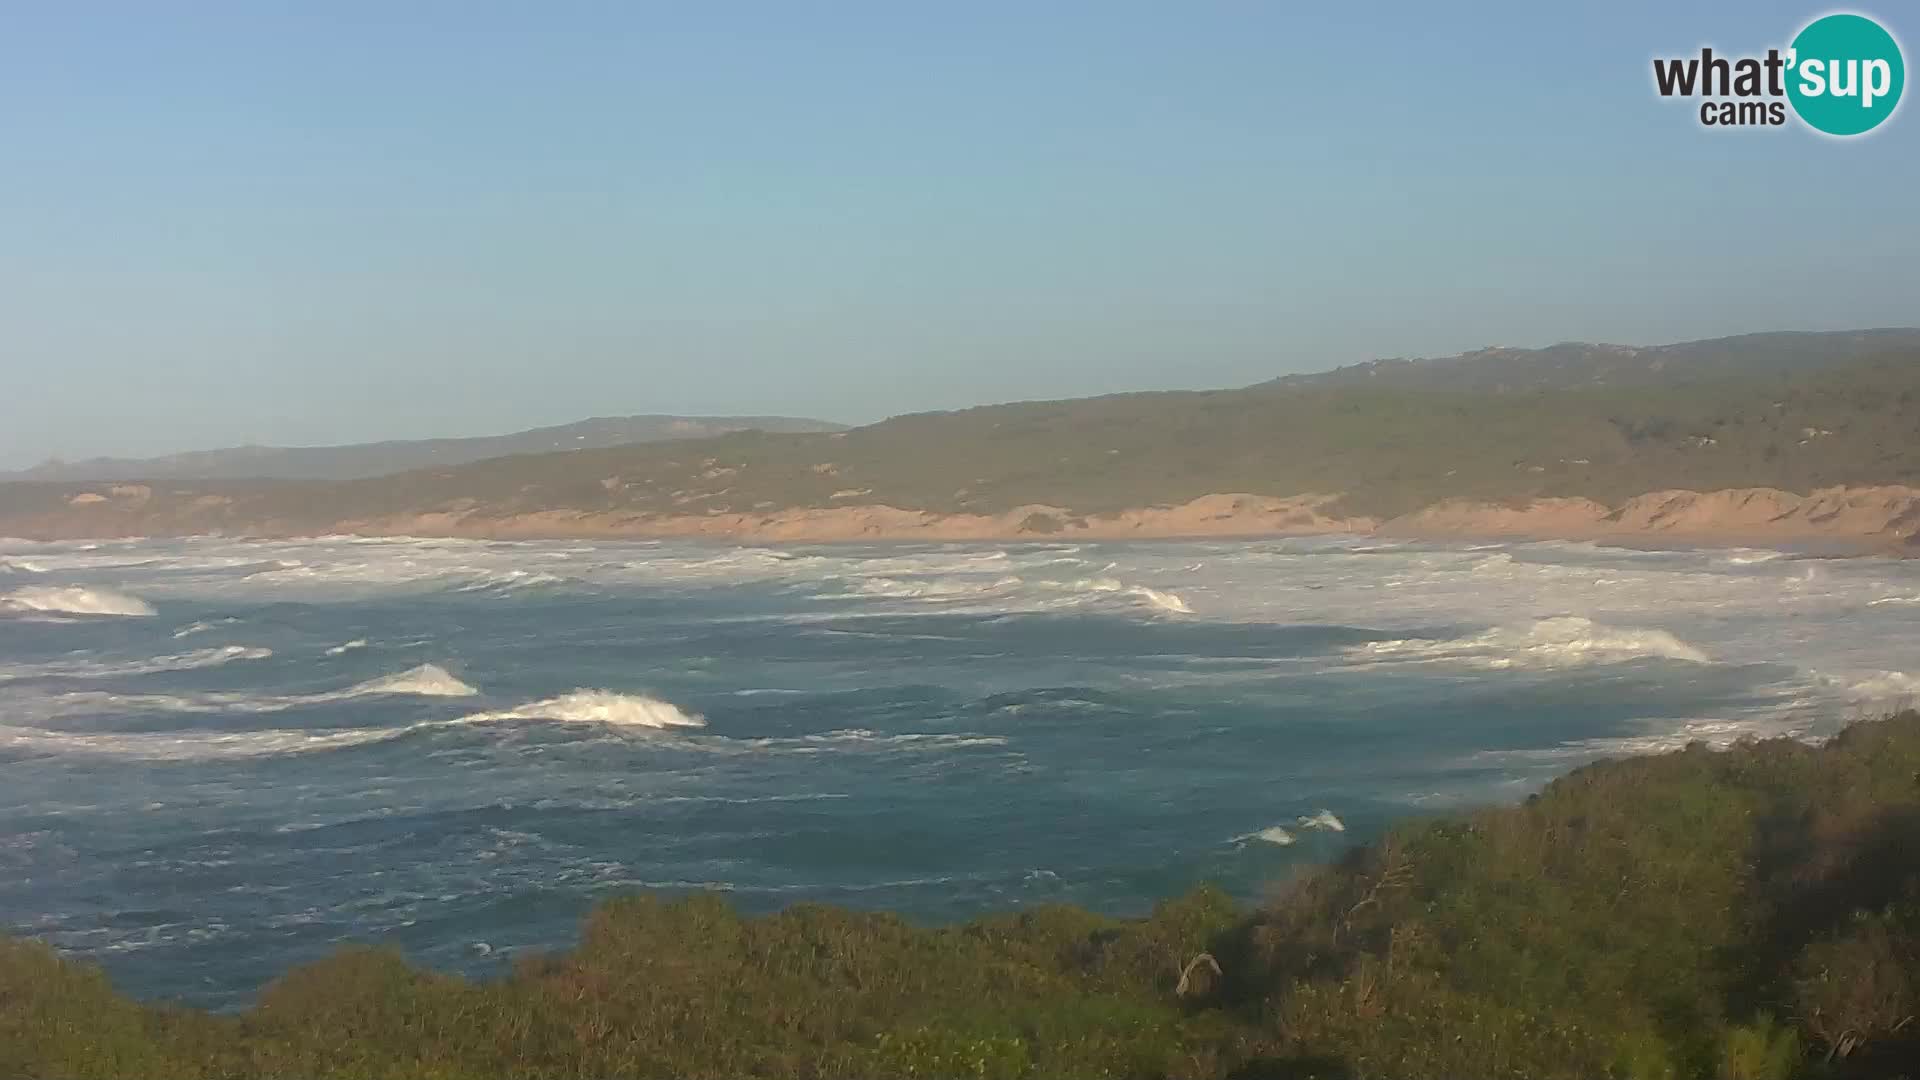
(380, 458)
(1802, 412)
(1576, 364)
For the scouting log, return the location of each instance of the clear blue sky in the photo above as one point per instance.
(224, 222)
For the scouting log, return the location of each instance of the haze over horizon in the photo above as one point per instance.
(243, 225)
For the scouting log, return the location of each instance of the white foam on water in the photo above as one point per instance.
(507, 581)
(203, 626)
(1561, 641)
(1685, 606)
(427, 680)
(1322, 819)
(199, 658)
(86, 669)
(190, 745)
(1498, 561)
(1159, 600)
(1155, 599)
(854, 740)
(1716, 732)
(347, 646)
(1884, 689)
(100, 703)
(598, 707)
(1272, 834)
(89, 557)
(905, 739)
(74, 600)
(932, 589)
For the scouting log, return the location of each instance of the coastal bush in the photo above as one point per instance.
(1752, 914)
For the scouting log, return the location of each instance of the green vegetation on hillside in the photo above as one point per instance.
(1388, 449)
(1576, 364)
(1739, 915)
(396, 455)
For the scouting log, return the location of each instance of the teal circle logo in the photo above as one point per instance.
(1845, 74)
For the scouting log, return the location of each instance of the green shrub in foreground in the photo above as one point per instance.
(1746, 915)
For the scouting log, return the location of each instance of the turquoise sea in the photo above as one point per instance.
(219, 758)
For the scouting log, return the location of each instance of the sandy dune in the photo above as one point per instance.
(1877, 519)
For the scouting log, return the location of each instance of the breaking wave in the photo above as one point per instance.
(1563, 641)
(191, 745)
(581, 706)
(346, 647)
(1157, 599)
(1282, 836)
(199, 658)
(203, 626)
(73, 600)
(862, 739)
(190, 661)
(1886, 688)
(1013, 589)
(947, 588)
(598, 707)
(1163, 601)
(1272, 834)
(1322, 819)
(506, 581)
(427, 680)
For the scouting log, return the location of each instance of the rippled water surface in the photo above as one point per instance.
(219, 758)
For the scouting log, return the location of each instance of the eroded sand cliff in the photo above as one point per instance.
(1863, 519)
(1871, 517)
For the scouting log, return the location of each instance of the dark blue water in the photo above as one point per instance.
(457, 747)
